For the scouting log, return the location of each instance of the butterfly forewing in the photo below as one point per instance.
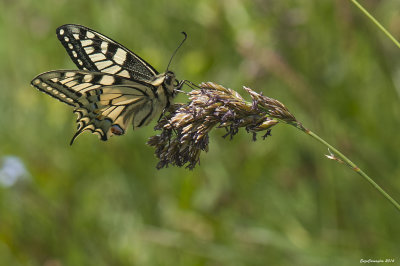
(105, 104)
(92, 51)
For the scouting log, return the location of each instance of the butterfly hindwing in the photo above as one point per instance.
(92, 51)
(104, 103)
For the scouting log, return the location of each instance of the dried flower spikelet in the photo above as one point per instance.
(266, 125)
(186, 127)
(274, 107)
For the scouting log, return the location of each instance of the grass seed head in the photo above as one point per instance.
(185, 129)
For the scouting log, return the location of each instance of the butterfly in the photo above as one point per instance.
(113, 86)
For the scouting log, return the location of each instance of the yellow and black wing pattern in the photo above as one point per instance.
(105, 104)
(92, 51)
(113, 87)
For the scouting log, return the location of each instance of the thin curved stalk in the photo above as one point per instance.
(379, 25)
(340, 157)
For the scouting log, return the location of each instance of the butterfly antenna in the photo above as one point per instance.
(176, 50)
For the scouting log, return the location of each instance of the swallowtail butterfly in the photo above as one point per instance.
(113, 87)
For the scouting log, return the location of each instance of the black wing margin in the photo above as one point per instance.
(90, 50)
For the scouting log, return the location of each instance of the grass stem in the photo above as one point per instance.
(376, 22)
(342, 158)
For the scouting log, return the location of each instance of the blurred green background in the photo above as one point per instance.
(272, 202)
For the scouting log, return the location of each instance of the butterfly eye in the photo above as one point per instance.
(168, 80)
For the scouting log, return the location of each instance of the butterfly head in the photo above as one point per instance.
(170, 83)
